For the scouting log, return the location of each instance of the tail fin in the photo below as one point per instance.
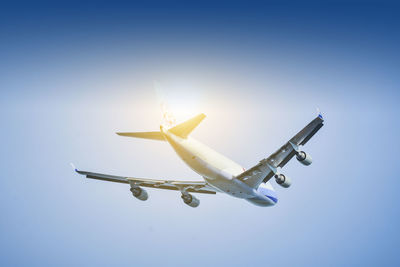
(146, 135)
(185, 128)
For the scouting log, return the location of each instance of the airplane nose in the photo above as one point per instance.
(269, 194)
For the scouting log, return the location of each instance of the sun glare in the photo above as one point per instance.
(180, 99)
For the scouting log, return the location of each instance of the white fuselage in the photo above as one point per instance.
(219, 171)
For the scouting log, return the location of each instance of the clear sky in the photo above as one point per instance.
(72, 74)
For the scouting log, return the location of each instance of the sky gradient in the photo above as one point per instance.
(72, 74)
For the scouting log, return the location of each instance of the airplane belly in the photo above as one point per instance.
(233, 188)
(204, 160)
(217, 170)
(196, 163)
(262, 202)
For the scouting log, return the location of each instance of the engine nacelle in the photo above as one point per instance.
(190, 200)
(304, 158)
(139, 193)
(282, 180)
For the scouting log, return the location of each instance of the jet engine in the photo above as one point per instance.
(282, 180)
(190, 200)
(304, 158)
(139, 193)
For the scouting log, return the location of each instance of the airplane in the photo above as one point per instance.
(220, 174)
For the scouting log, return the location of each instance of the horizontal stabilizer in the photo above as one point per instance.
(146, 135)
(185, 128)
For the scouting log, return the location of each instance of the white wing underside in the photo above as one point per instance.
(267, 167)
(187, 186)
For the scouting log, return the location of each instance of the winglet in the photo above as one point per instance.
(320, 114)
(73, 167)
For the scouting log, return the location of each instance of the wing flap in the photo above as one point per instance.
(195, 187)
(104, 177)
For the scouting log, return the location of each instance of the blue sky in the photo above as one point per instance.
(72, 74)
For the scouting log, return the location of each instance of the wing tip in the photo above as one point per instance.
(320, 114)
(75, 169)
